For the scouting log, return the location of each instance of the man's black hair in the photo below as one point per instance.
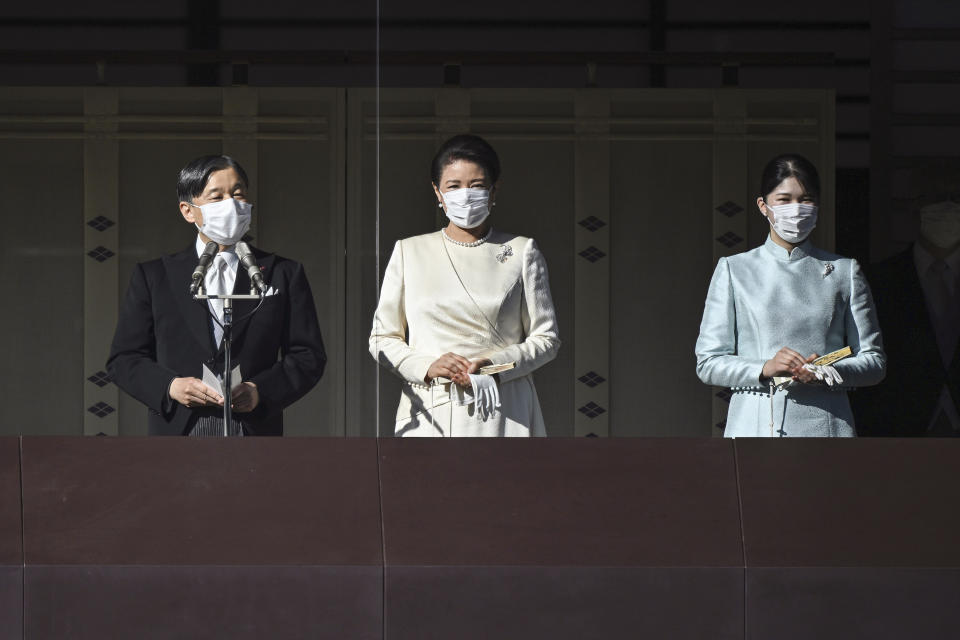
(194, 176)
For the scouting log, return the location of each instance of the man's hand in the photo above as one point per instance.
(191, 392)
(245, 397)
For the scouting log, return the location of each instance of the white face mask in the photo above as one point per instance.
(940, 224)
(467, 208)
(225, 221)
(793, 222)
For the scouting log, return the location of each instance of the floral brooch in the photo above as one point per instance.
(505, 252)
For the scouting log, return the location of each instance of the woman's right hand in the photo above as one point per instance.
(449, 365)
(786, 362)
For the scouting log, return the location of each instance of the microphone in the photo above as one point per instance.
(250, 264)
(205, 259)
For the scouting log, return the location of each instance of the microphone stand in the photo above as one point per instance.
(227, 342)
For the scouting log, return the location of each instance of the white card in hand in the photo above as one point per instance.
(214, 382)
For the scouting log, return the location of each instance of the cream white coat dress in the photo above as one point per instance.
(487, 301)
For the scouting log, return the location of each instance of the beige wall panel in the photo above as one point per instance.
(591, 228)
(364, 379)
(662, 205)
(301, 197)
(174, 109)
(42, 278)
(297, 221)
(102, 216)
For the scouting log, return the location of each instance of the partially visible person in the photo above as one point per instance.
(918, 303)
(770, 312)
(462, 298)
(164, 337)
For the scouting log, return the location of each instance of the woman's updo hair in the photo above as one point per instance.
(790, 165)
(470, 148)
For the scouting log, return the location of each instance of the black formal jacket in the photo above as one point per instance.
(903, 403)
(162, 334)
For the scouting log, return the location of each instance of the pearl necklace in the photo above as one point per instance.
(475, 243)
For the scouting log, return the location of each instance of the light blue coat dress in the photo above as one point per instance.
(808, 300)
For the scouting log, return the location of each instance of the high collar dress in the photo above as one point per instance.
(808, 300)
(486, 301)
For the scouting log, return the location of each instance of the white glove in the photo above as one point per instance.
(486, 395)
(825, 373)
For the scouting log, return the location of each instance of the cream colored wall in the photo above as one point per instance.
(632, 178)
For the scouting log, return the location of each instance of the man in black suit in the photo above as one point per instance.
(918, 307)
(164, 337)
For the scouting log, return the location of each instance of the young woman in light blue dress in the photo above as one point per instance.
(770, 312)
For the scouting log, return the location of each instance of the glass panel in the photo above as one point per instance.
(631, 193)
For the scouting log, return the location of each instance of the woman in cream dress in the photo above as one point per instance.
(771, 311)
(462, 298)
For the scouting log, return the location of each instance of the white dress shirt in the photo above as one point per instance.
(941, 302)
(220, 279)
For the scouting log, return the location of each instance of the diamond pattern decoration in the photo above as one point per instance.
(592, 254)
(724, 394)
(592, 379)
(101, 223)
(592, 223)
(591, 410)
(101, 254)
(101, 409)
(729, 209)
(729, 239)
(100, 378)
